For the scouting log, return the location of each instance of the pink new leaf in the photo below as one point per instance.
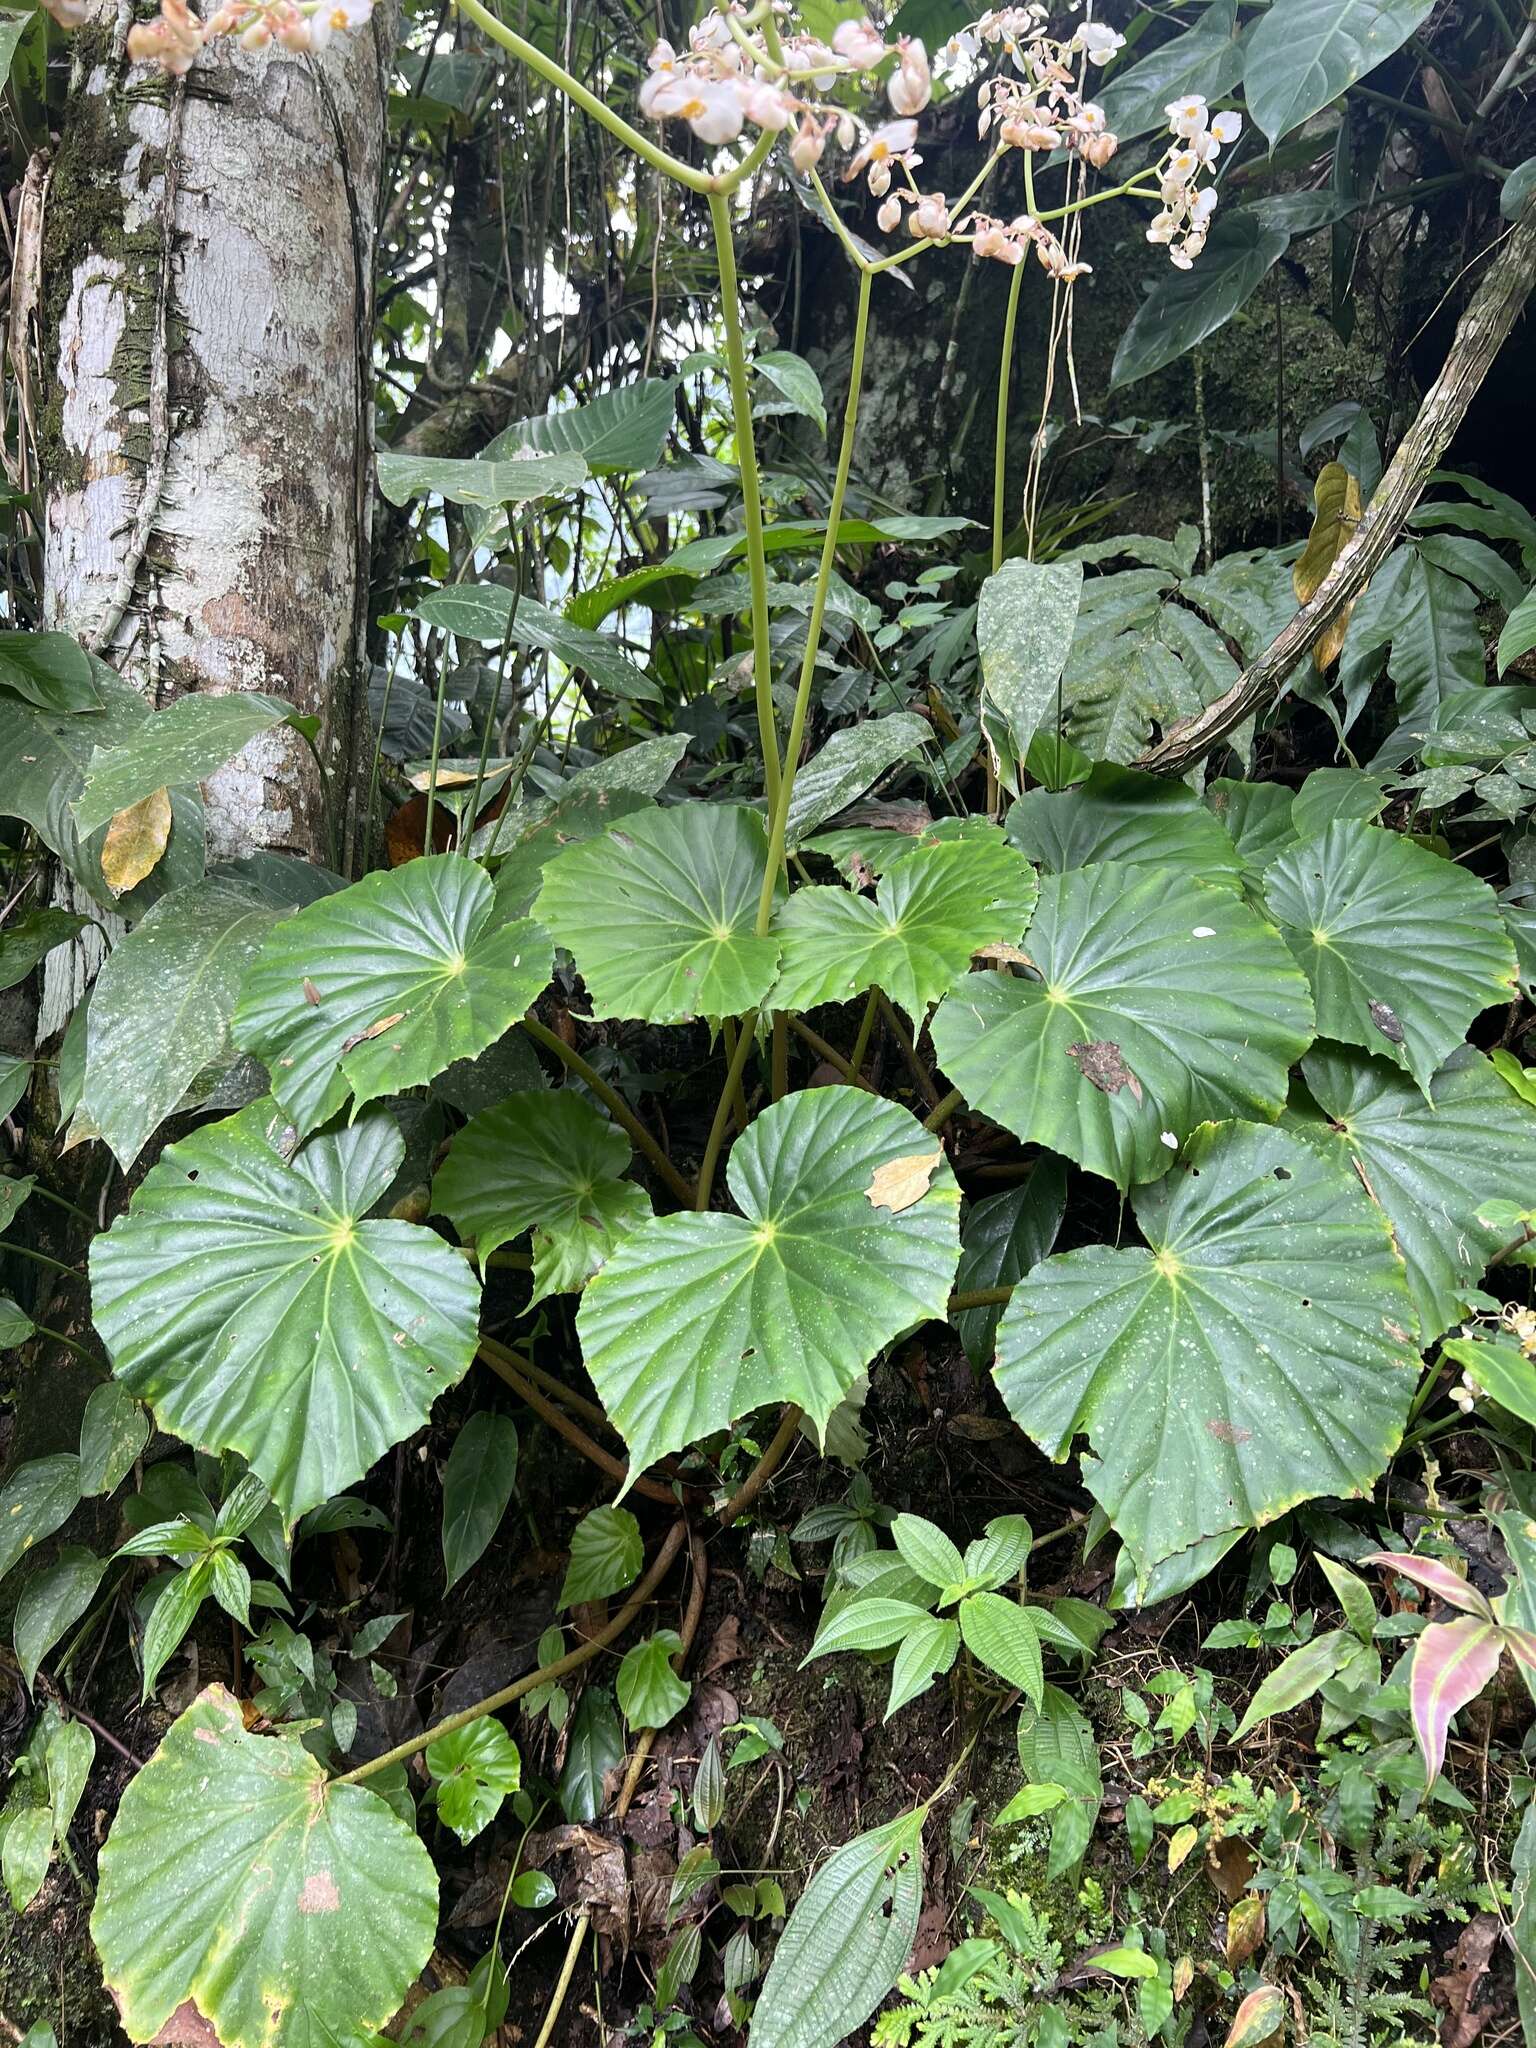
(1452, 1662)
(1436, 1578)
(1521, 1645)
(1259, 2018)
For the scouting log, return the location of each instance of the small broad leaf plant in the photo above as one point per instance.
(1110, 977)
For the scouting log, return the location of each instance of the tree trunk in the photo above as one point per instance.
(206, 263)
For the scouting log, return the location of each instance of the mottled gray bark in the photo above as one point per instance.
(207, 261)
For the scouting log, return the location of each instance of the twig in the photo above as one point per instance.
(1480, 334)
(568, 1427)
(559, 1667)
(764, 1469)
(556, 1389)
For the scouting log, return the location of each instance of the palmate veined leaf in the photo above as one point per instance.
(289, 1911)
(1259, 1353)
(696, 1320)
(1362, 909)
(847, 1939)
(256, 1306)
(551, 1163)
(1431, 1163)
(1122, 815)
(1162, 1001)
(660, 914)
(381, 987)
(931, 912)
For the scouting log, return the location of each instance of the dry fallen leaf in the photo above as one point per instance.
(136, 838)
(1337, 516)
(901, 1182)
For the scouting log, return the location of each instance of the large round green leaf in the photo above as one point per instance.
(547, 1162)
(1260, 1353)
(849, 1233)
(291, 1912)
(1121, 814)
(1431, 1165)
(1403, 949)
(1161, 1001)
(660, 913)
(915, 939)
(383, 986)
(256, 1307)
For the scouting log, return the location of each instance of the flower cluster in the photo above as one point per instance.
(174, 38)
(1198, 138)
(737, 74)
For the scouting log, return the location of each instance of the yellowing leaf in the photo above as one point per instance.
(1179, 1845)
(900, 1182)
(1336, 498)
(1245, 1929)
(135, 840)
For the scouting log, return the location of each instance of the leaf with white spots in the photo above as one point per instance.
(697, 1320)
(1403, 949)
(257, 1307)
(1261, 1352)
(384, 985)
(1431, 1164)
(1161, 1001)
(291, 1912)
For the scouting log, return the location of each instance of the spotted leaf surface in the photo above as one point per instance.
(697, 1320)
(1161, 1001)
(254, 1304)
(381, 987)
(1261, 1350)
(1403, 949)
(291, 1912)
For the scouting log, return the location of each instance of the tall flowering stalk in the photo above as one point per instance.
(748, 81)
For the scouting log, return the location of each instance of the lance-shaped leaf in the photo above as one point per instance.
(1002, 1238)
(1296, 1678)
(381, 987)
(1259, 1353)
(850, 1933)
(698, 1319)
(162, 1003)
(661, 911)
(183, 744)
(1363, 910)
(50, 670)
(549, 1162)
(1435, 1577)
(852, 760)
(288, 1910)
(931, 912)
(1430, 1164)
(257, 1307)
(513, 480)
(1502, 1371)
(1302, 54)
(1185, 306)
(1452, 1662)
(1162, 1001)
(1024, 627)
(1121, 814)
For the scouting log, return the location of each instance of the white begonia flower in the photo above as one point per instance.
(713, 108)
(1201, 207)
(882, 145)
(911, 85)
(806, 150)
(1227, 127)
(1163, 229)
(1187, 116)
(1098, 41)
(766, 107)
(930, 217)
(858, 43)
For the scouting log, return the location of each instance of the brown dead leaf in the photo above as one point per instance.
(186, 2028)
(136, 838)
(1230, 1864)
(1002, 955)
(901, 1182)
(375, 1030)
(1100, 1061)
(724, 1647)
(1464, 2018)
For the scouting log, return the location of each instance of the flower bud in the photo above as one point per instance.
(911, 85)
